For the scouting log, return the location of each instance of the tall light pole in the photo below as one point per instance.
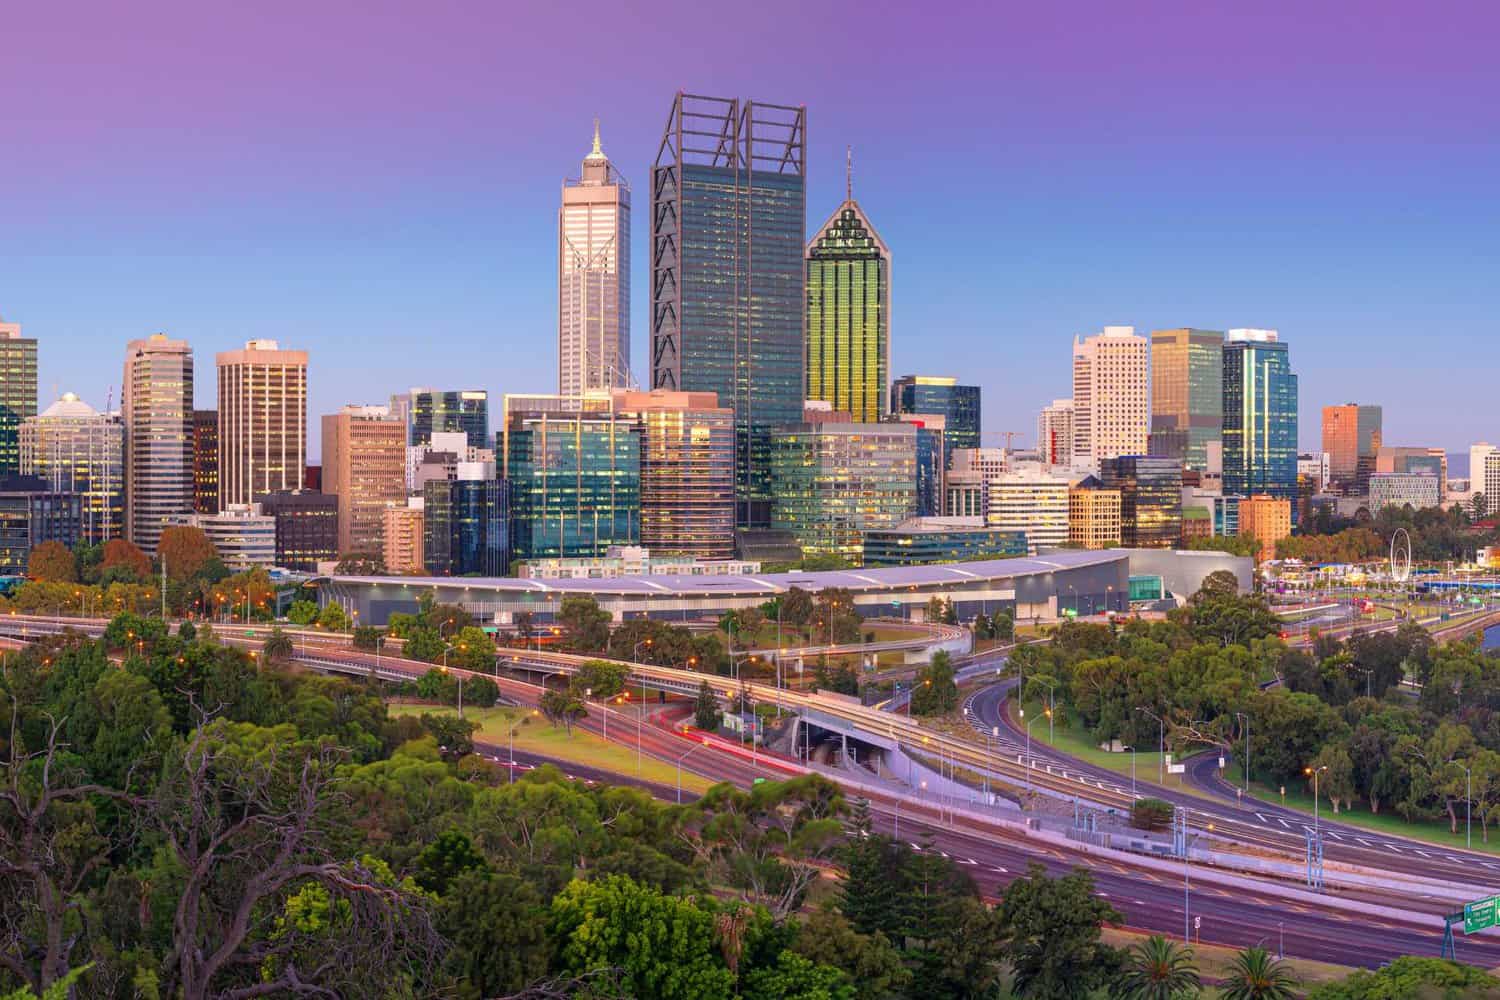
(1468, 804)
(1161, 744)
(1246, 717)
(1313, 772)
(695, 746)
(1187, 866)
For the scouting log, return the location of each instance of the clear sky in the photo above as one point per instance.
(377, 182)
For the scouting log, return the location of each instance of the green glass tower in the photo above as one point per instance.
(1187, 394)
(1260, 416)
(848, 314)
(17, 393)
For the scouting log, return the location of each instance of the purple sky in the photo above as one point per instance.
(377, 182)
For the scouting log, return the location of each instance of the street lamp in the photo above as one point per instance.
(511, 736)
(695, 746)
(1313, 773)
(1246, 717)
(1027, 762)
(460, 677)
(1161, 744)
(1187, 866)
(1468, 804)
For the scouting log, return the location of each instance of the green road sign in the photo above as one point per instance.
(1480, 914)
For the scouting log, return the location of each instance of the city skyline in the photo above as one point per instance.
(1306, 207)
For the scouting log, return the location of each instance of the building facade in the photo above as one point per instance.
(1432, 461)
(687, 472)
(466, 524)
(835, 482)
(1187, 394)
(1260, 415)
(404, 546)
(262, 421)
(848, 315)
(156, 404)
(18, 398)
(206, 461)
(76, 449)
(1267, 520)
(426, 412)
(1150, 499)
(1054, 433)
(1484, 475)
(1111, 395)
(364, 465)
(958, 405)
(728, 232)
(1033, 503)
(32, 512)
(593, 278)
(922, 541)
(574, 468)
(1400, 489)
(1351, 438)
(1093, 515)
(307, 528)
(244, 536)
(632, 560)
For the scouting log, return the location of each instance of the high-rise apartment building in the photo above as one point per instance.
(1054, 433)
(402, 535)
(687, 471)
(364, 465)
(728, 232)
(1111, 395)
(1351, 437)
(1267, 520)
(1093, 515)
(1484, 474)
(206, 461)
(957, 404)
(1187, 394)
(834, 482)
(157, 406)
(1260, 415)
(17, 392)
(574, 469)
(849, 314)
(307, 528)
(1031, 502)
(593, 278)
(76, 449)
(262, 421)
(1150, 499)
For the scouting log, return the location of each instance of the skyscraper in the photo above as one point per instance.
(957, 404)
(1150, 499)
(466, 523)
(76, 449)
(1260, 416)
(1187, 394)
(17, 392)
(206, 461)
(157, 405)
(728, 233)
(444, 411)
(1111, 395)
(1352, 438)
(849, 314)
(1054, 433)
(364, 465)
(593, 278)
(262, 421)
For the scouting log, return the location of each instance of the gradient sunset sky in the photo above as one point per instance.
(378, 182)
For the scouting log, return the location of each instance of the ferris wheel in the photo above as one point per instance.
(1400, 556)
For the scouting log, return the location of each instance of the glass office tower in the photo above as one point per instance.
(466, 523)
(958, 404)
(435, 411)
(17, 393)
(728, 232)
(848, 315)
(1187, 394)
(593, 278)
(1260, 416)
(1150, 491)
(574, 468)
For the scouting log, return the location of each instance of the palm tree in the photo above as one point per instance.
(278, 647)
(1158, 969)
(1255, 975)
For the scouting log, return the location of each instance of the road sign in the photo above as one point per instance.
(1481, 914)
(1176, 768)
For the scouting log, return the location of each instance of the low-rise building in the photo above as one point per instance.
(243, 534)
(1400, 489)
(632, 560)
(307, 527)
(920, 541)
(1093, 515)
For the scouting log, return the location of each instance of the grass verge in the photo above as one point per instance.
(1075, 741)
(1215, 961)
(535, 736)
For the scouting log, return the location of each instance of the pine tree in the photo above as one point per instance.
(706, 714)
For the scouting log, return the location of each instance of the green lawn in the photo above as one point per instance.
(534, 735)
(1076, 742)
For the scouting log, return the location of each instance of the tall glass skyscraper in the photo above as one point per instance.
(728, 232)
(1187, 394)
(848, 314)
(1150, 489)
(432, 411)
(1260, 416)
(574, 467)
(17, 393)
(593, 278)
(157, 405)
(466, 523)
(77, 449)
(958, 404)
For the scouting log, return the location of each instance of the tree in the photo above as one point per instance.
(368, 637)
(424, 644)
(871, 962)
(1336, 779)
(472, 649)
(664, 946)
(1480, 505)
(1255, 975)
(185, 551)
(52, 561)
(602, 678)
(935, 691)
(1157, 969)
(796, 607)
(1052, 934)
(126, 560)
(706, 713)
(302, 612)
(562, 707)
(445, 859)
(278, 648)
(497, 924)
(360, 564)
(333, 617)
(585, 625)
(795, 977)
(1151, 814)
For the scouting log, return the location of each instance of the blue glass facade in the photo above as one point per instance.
(897, 547)
(930, 459)
(1260, 417)
(433, 412)
(959, 404)
(466, 527)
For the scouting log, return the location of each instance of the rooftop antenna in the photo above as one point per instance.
(597, 151)
(849, 173)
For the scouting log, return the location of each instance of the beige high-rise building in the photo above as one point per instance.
(364, 465)
(157, 406)
(1111, 395)
(1267, 520)
(593, 278)
(262, 422)
(1484, 474)
(1031, 502)
(402, 537)
(1093, 516)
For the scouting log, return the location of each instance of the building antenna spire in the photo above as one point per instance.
(597, 151)
(849, 173)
